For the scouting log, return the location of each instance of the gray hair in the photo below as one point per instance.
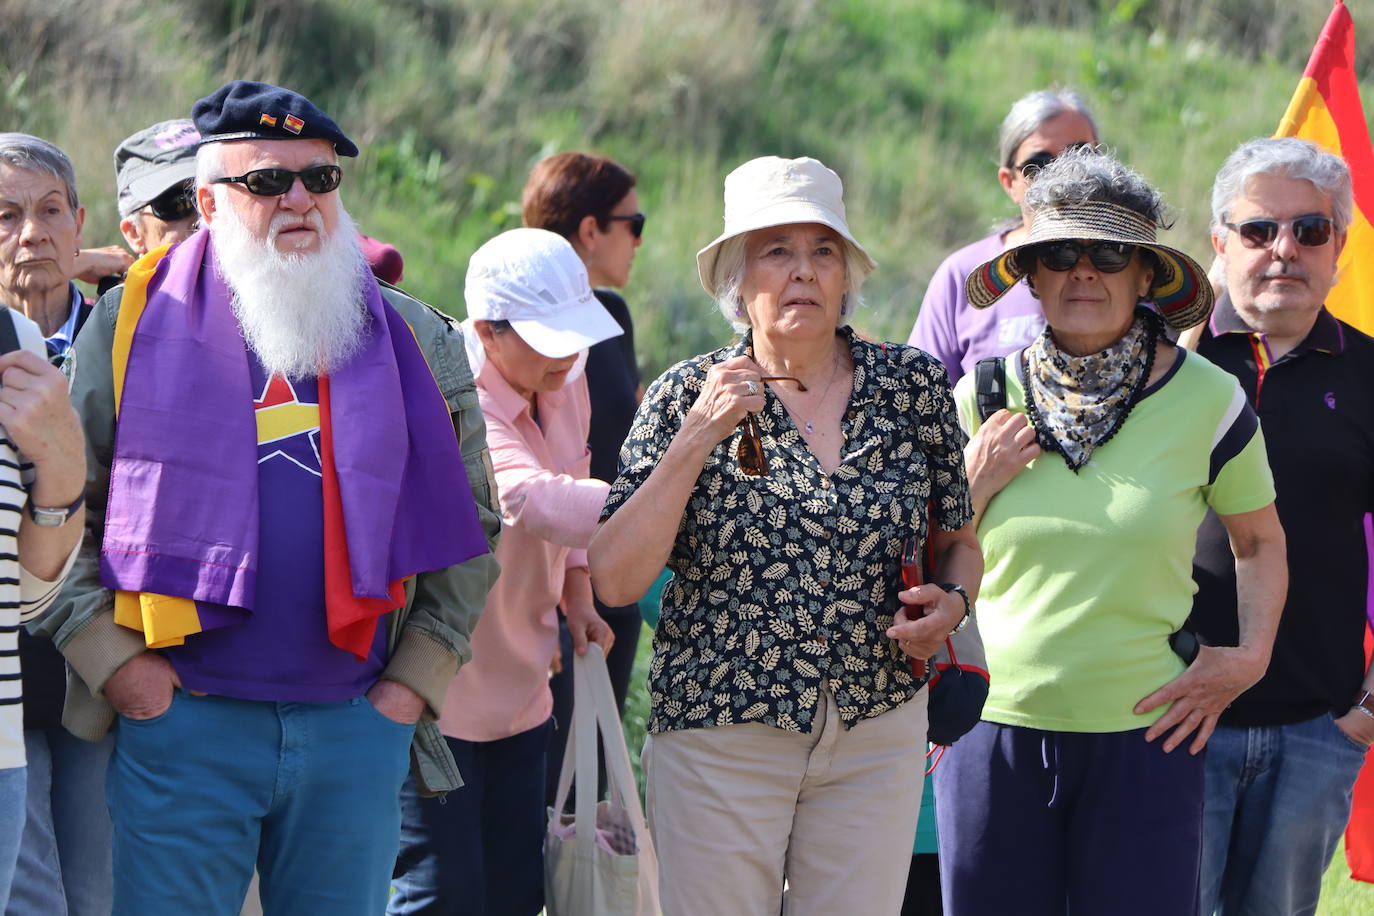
(1287, 157)
(1085, 174)
(728, 278)
(1030, 112)
(23, 151)
(209, 163)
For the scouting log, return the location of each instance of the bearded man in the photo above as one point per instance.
(288, 545)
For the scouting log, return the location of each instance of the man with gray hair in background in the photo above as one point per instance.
(1282, 763)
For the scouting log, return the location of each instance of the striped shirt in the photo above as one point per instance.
(22, 596)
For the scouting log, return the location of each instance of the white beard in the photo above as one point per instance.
(301, 313)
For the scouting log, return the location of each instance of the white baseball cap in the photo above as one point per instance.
(534, 279)
(771, 191)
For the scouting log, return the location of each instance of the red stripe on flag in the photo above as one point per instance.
(1332, 68)
(352, 621)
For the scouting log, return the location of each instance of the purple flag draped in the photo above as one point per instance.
(183, 511)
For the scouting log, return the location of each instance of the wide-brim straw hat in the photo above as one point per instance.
(771, 191)
(1180, 289)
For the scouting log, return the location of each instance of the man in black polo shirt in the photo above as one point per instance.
(1281, 766)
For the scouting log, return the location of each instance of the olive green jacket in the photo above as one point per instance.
(427, 638)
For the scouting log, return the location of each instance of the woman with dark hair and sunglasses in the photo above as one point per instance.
(779, 479)
(1082, 788)
(1040, 126)
(591, 202)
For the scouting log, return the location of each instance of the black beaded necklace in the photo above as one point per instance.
(1153, 329)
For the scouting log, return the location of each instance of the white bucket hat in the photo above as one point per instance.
(771, 191)
(534, 279)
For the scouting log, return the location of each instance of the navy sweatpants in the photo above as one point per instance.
(1036, 822)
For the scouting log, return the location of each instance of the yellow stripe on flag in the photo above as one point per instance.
(163, 620)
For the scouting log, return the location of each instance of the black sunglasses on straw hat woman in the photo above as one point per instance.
(1088, 490)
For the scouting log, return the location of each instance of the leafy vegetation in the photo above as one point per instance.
(452, 101)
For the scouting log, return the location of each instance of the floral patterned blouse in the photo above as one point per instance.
(786, 583)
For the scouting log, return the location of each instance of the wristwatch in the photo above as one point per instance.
(54, 518)
(968, 605)
(1364, 702)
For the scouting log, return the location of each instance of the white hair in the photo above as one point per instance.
(728, 279)
(301, 313)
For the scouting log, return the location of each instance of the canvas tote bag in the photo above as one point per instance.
(599, 862)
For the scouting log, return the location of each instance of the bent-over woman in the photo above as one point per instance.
(531, 318)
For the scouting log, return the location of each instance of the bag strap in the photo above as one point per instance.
(594, 711)
(9, 337)
(990, 384)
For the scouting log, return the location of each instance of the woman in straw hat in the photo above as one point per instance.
(531, 319)
(779, 478)
(1085, 773)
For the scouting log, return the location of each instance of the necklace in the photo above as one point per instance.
(834, 373)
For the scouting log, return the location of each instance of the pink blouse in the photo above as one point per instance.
(549, 510)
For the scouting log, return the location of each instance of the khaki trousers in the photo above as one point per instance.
(736, 811)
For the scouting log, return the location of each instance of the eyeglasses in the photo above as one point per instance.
(1108, 257)
(174, 204)
(1308, 231)
(752, 461)
(319, 179)
(636, 221)
(1033, 164)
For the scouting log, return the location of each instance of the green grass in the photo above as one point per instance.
(453, 100)
(1341, 894)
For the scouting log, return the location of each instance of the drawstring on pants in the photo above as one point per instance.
(1049, 747)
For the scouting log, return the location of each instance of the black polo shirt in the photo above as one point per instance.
(1316, 407)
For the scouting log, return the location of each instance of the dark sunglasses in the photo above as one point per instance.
(1308, 231)
(1033, 164)
(174, 204)
(749, 452)
(1108, 257)
(636, 221)
(319, 179)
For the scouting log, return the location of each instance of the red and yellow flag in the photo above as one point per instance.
(1326, 109)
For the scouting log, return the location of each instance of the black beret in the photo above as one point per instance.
(245, 110)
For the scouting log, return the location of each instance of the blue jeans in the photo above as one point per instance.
(64, 859)
(480, 851)
(1277, 802)
(12, 782)
(307, 792)
(1040, 823)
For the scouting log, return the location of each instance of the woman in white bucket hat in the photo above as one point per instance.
(779, 479)
(531, 319)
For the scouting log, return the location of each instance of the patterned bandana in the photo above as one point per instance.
(1077, 403)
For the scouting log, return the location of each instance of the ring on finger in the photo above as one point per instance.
(752, 387)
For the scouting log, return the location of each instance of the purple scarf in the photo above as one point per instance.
(182, 518)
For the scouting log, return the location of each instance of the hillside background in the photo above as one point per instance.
(452, 101)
